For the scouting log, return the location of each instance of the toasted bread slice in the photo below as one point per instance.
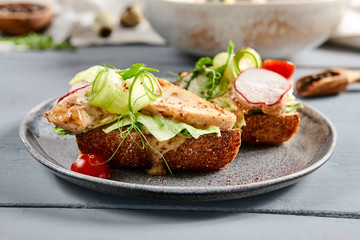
(268, 129)
(208, 152)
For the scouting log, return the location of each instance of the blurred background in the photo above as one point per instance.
(276, 28)
(74, 22)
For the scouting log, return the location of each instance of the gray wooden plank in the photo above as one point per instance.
(30, 78)
(24, 223)
(328, 55)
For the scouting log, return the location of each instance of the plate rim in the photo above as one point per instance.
(177, 190)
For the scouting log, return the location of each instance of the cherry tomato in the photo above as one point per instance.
(284, 68)
(91, 164)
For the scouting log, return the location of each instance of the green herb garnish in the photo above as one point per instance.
(128, 121)
(135, 70)
(37, 41)
(121, 91)
(140, 72)
(213, 83)
(62, 132)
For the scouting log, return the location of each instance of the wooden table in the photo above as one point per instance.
(36, 204)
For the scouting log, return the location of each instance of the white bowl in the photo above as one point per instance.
(276, 29)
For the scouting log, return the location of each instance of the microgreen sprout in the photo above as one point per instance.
(141, 73)
(214, 76)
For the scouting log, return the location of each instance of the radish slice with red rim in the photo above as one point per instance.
(78, 85)
(261, 86)
(74, 88)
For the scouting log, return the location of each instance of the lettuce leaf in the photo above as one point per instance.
(163, 129)
(62, 132)
(292, 103)
(293, 106)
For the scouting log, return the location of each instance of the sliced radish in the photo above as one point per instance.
(261, 86)
(78, 85)
(74, 88)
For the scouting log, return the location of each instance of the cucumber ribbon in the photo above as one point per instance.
(120, 91)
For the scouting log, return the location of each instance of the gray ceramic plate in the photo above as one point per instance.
(255, 170)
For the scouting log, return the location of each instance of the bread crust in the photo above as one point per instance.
(268, 129)
(208, 152)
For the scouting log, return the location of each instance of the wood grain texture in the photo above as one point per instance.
(84, 224)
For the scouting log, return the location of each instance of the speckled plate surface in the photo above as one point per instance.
(254, 171)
